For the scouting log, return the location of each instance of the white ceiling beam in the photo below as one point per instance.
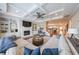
(11, 14)
(54, 18)
(56, 11)
(42, 9)
(48, 19)
(11, 5)
(7, 7)
(30, 11)
(40, 6)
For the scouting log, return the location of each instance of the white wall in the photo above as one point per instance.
(75, 20)
(74, 23)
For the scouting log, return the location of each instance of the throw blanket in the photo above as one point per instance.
(6, 43)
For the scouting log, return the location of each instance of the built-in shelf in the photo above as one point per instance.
(4, 26)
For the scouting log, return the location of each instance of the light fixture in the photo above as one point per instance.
(56, 14)
(61, 28)
(17, 11)
(50, 27)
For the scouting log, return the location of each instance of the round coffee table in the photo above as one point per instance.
(37, 40)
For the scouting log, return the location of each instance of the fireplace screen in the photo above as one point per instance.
(26, 33)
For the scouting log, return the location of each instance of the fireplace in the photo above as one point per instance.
(26, 32)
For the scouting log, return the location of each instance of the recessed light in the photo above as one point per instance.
(17, 11)
(56, 14)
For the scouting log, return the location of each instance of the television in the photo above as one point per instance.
(27, 24)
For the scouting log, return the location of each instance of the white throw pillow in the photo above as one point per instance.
(11, 51)
(52, 43)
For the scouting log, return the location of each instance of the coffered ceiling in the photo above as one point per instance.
(27, 11)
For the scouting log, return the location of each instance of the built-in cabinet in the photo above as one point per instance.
(4, 27)
(8, 27)
(15, 26)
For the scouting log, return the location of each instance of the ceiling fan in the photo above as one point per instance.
(45, 15)
(39, 15)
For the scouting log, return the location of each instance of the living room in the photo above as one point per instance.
(39, 26)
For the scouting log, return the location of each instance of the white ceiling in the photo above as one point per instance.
(28, 10)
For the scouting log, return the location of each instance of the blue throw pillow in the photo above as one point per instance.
(54, 51)
(46, 51)
(50, 51)
(28, 51)
(6, 43)
(36, 51)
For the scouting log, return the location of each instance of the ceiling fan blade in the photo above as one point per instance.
(38, 13)
(42, 14)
